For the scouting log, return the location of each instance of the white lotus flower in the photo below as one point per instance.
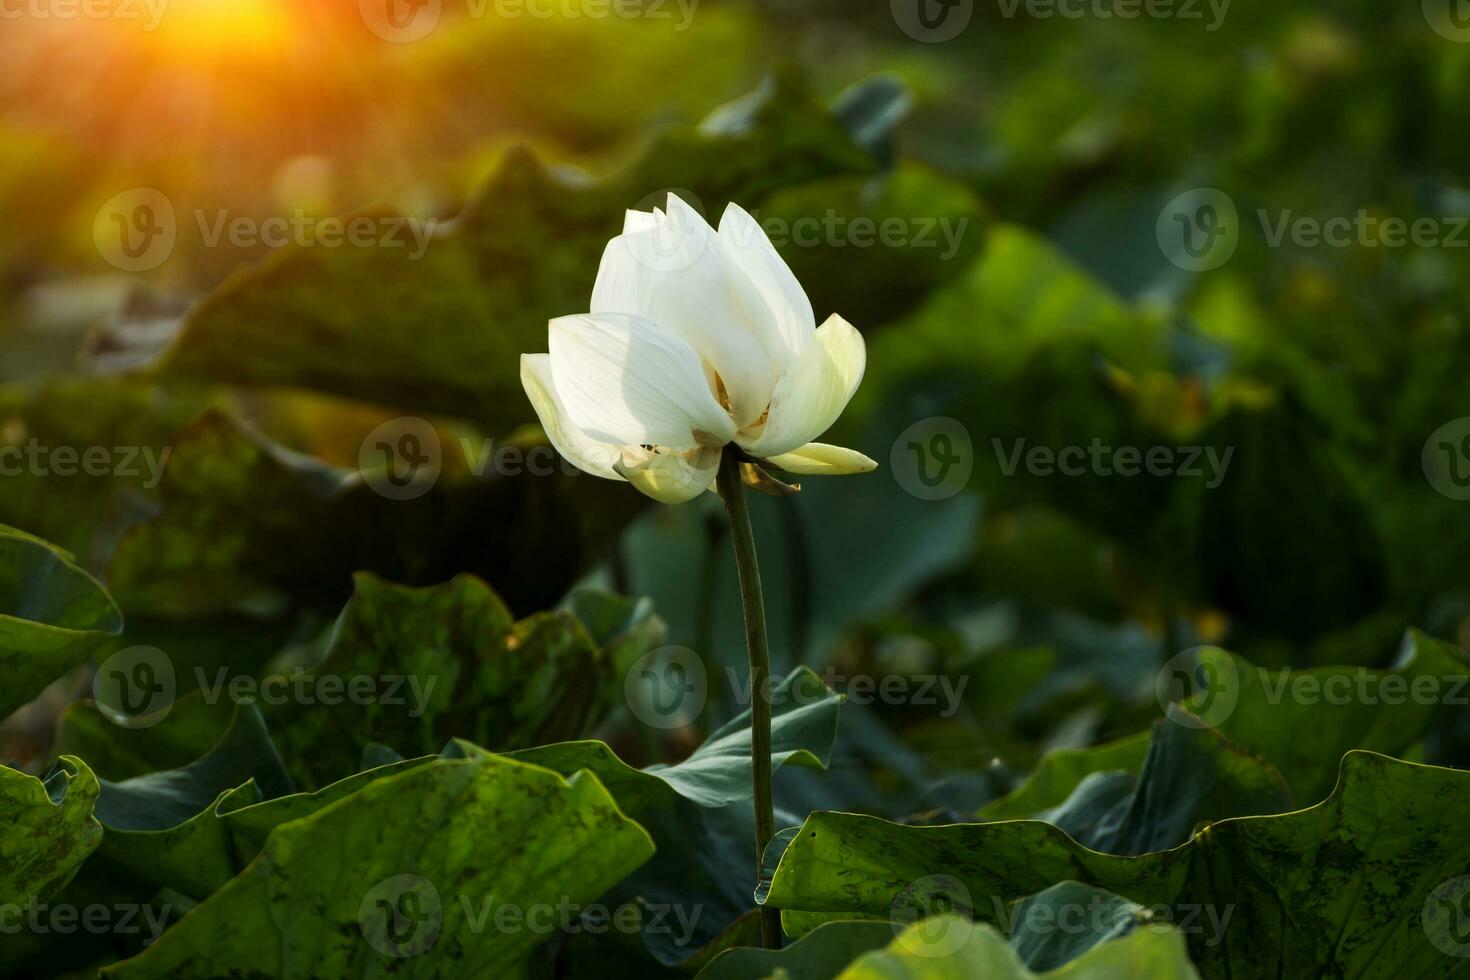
(696, 339)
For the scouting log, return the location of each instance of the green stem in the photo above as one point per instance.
(752, 601)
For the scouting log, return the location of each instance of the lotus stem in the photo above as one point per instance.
(752, 601)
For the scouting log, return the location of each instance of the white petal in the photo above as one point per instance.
(820, 459)
(641, 220)
(676, 274)
(811, 395)
(624, 381)
(585, 454)
(780, 300)
(674, 477)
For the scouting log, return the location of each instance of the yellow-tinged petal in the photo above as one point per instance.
(820, 459)
(673, 478)
(754, 475)
(587, 455)
(812, 394)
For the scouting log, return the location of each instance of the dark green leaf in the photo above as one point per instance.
(459, 665)
(400, 875)
(52, 614)
(1341, 886)
(46, 830)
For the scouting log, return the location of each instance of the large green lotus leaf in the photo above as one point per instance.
(130, 422)
(803, 729)
(443, 331)
(1051, 929)
(395, 877)
(470, 670)
(249, 823)
(704, 873)
(46, 830)
(1058, 773)
(52, 614)
(1348, 886)
(1047, 932)
(925, 951)
(1304, 720)
(193, 828)
(245, 754)
(117, 753)
(229, 497)
(163, 828)
(699, 814)
(948, 947)
(1116, 803)
(1191, 776)
(819, 955)
(1339, 887)
(1257, 713)
(626, 627)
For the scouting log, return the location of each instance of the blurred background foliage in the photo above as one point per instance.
(1056, 318)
